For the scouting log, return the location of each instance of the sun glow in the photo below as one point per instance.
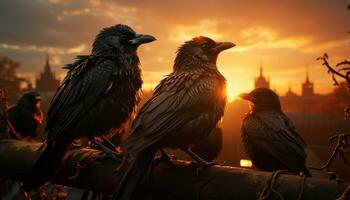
(234, 88)
(231, 93)
(239, 79)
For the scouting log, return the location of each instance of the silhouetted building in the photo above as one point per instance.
(47, 82)
(290, 93)
(304, 103)
(307, 87)
(261, 81)
(292, 102)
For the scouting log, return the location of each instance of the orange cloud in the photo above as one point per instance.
(285, 35)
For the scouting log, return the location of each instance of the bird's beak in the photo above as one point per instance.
(246, 96)
(220, 46)
(142, 39)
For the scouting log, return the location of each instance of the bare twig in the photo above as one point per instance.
(269, 189)
(345, 195)
(333, 71)
(345, 62)
(337, 73)
(339, 149)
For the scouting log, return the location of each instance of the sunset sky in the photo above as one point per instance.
(286, 36)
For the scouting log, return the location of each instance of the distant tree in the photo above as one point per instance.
(8, 68)
(9, 79)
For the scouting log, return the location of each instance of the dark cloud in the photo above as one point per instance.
(274, 30)
(38, 22)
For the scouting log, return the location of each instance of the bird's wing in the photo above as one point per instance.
(290, 126)
(178, 99)
(80, 90)
(210, 147)
(271, 135)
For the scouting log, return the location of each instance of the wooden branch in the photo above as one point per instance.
(333, 71)
(90, 169)
(345, 62)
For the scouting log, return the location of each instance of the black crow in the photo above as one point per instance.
(183, 110)
(210, 147)
(26, 116)
(99, 93)
(269, 136)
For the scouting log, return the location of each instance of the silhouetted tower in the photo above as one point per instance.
(261, 81)
(290, 92)
(307, 87)
(47, 82)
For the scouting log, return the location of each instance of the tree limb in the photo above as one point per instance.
(90, 169)
(332, 70)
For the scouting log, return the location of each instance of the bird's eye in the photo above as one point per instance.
(204, 45)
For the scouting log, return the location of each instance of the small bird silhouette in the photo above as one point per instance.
(26, 116)
(183, 110)
(98, 94)
(269, 136)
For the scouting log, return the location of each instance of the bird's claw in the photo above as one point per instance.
(207, 163)
(109, 153)
(222, 163)
(165, 157)
(200, 166)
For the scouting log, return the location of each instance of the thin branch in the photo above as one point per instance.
(332, 70)
(339, 149)
(345, 62)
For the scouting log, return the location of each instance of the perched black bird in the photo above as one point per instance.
(184, 108)
(269, 137)
(99, 93)
(26, 116)
(210, 147)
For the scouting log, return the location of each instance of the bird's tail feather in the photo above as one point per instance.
(134, 174)
(47, 165)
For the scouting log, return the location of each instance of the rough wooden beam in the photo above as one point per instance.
(90, 169)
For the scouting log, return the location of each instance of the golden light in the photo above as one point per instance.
(239, 78)
(246, 163)
(231, 91)
(236, 85)
(206, 28)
